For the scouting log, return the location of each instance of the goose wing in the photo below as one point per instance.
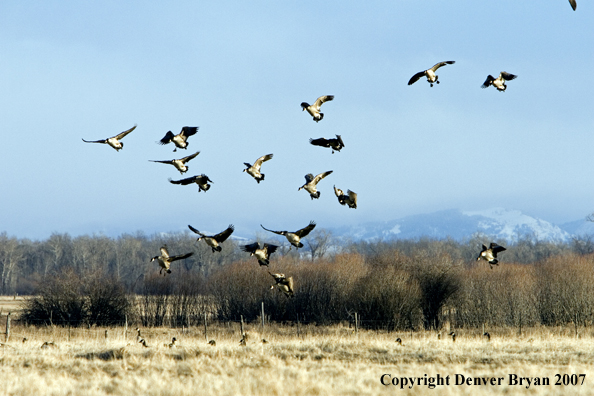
(202, 179)
(163, 162)
(495, 248)
(195, 231)
(122, 134)
(289, 283)
(186, 181)
(337, 191)
(167, 138)
(189, 157)
(180, 256)
(222, 236)
(319, 177)
(320, 142)
(440, 64)
(95, 141)
(507, 76)
(488, 81)
(164, 251)
(263, 158)
(188, 131)
(340, 140)
(270, 248)
(277, 277)
(306, 230)
(251, 248)
(416, 77)
(352, 195)
(573, 4)
(308, 178)
(321, 100)
(276, 232)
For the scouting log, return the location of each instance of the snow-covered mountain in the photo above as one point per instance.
(496, 222)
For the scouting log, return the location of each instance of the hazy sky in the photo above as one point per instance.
(239, 70)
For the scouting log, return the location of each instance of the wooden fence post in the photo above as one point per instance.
(7, 327)
(205, 329)
(262, 317)
(242, 333)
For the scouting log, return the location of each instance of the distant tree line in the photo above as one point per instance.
(401, 284)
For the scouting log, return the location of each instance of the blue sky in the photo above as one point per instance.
(239, 71)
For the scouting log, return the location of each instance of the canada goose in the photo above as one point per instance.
(314, 109)
(336, 144)
(212, 343)
(429, 73)
(283, 284)
(138, 336)
(181, 139)
(311, 182)
(264, 341)
(499, 82)
(172, 344)
(453, 336)
(47, 345)
(165, 261)
(113, 141)
(487, 336)
(202, 181)
(143, 342)
(573, 4)
(349, 199)
(490, 254)
(24, 339)
(213, 241)
(262, 253)
(180, 164)
(399, 341)
(254, 170)
(295, 237)
(243, 342)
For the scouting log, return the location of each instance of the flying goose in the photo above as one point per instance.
(180, 164)
(113, 141)
(573, 4)
(429, 73)
(181, 139)
(202, 181)
(350, 198)
(490, 254)
(254, 170)
(283, 284)
(165, 261)
(314, 109)
(499, 82)
(311, 182)
(295, 237)
(213, 241)
(335, 144)
(262, 253)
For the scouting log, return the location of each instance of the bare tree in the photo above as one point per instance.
(318, 243)
(10, 256)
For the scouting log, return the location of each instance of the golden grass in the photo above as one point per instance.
(321, 361)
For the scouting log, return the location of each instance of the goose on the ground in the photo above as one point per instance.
(254, 170)
(212, 343)
(490, 254)
(283, 284)
(453, 335)
(573, 4)
(336, 144)
(172, 344)
(113, 141)
(487, 336)
(430, 73)
(262, 253)
(499, 82)
(311, 183)
(181, 139)
(214, 240)
(165, 261)
(180, 164)
(349, 199)
(202, 181)
(314, 109)
(295, 237)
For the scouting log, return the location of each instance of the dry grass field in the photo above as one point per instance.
(319, 361)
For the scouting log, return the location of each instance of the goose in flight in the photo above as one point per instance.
(202, 181)
(113, 141)
(262, 253)
(295, 237)
(430, 73)
(349, 199)
(490, 254)
(165, 261)
(215, 240)
(335, 143)
(181, 139)
(314, 109)
(283, 284)
(180, 164)
(254, 170)
(499, 82)
(311, 183)
(573, 4)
